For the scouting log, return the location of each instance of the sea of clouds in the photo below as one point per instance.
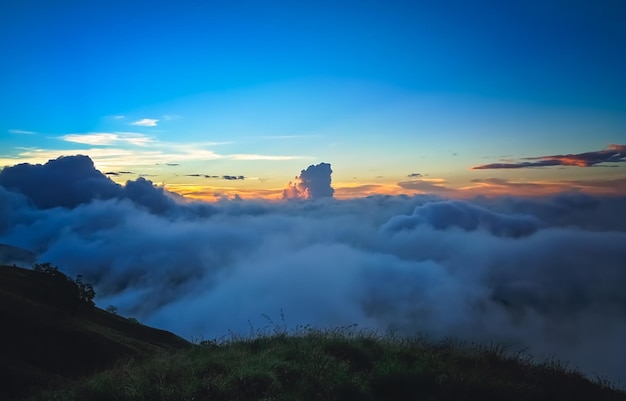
(547, 274)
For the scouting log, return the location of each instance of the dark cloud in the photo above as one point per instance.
(70, 181)
(63, 182)
(223, 177)
(612, 154)
(414, 175)
(312, 183)
(118, 173)
(544, 273)
(143, 192)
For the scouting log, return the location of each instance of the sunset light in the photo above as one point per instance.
(229, 171)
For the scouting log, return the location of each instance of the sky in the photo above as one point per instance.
(399, 97)
(445, 168)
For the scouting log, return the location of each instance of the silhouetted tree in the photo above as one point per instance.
(65, 291)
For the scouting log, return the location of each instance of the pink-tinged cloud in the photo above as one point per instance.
(612, 154)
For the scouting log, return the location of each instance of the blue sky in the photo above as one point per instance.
(378, 89)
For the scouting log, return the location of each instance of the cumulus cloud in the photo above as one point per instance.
(544, 273)
(612, 154)
(63, 182)
(146, 122)
(69, 181)
(312, 183)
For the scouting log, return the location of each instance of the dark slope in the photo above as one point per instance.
(41, 339)
(11, 255)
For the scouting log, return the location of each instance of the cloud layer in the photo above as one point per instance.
(544, 273)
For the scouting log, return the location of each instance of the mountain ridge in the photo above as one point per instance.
(43, 340)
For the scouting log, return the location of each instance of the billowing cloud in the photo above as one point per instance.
(146, 122)
(69, 181)
(544, 273)
(612, 154)
(444, 215)
(312, 183)
(63, 182)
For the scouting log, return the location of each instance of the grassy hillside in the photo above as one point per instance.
(43, 340)
(336, 365)
(88, 354)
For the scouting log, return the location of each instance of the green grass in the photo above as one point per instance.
(340, 364)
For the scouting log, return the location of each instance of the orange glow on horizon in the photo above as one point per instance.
(344, 191)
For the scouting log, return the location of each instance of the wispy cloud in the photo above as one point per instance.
(21, 132)
(118, 117)
(109, 152)
(612, 154)
(108, 138)
(105, 158)
(223, 177)
(117, 173)
(428, 185)
(146, 122)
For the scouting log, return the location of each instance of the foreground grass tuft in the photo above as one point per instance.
(340, 364)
